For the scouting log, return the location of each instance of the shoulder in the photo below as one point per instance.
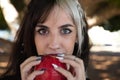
(9, 78)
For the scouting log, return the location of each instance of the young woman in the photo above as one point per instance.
(50, 27)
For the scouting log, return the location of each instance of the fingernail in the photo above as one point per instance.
(55, 66)
(68, 66)
(41, 72)
(60, 58)
(60, 55)
(38, 58)
(43, 69)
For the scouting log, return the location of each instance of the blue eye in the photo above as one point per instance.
(66, 31)
(43, 31)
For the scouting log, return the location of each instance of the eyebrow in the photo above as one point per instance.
(66, 25)
(42, 26)
(62, 26)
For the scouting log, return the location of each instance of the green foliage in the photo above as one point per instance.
(114, 2)
(19, 4)
(3, 24)
(113, 24)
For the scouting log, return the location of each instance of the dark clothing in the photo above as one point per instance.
(15, 78)
(10, 78)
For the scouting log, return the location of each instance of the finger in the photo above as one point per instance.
(70, 62)
(74, 58)
(29, 66)
(64, 72)
(34, 74)
(33, 58)
(78, 67)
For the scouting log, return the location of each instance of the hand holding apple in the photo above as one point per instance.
(49, 72)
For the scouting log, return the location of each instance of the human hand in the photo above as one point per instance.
(26, 68)
(76, 64)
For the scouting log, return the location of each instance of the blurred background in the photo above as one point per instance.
(103, 17)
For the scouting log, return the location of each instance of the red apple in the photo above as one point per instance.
(49, 72)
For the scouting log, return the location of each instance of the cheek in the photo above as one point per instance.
(39, 45)
(70, 48)
(69, 44)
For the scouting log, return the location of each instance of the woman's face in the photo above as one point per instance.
(56, 35)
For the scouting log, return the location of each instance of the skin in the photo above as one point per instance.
(56, 35)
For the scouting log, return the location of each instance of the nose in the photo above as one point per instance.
(54, 42)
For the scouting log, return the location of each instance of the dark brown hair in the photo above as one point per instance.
(24, 45)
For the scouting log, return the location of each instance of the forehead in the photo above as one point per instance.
(57, 13)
